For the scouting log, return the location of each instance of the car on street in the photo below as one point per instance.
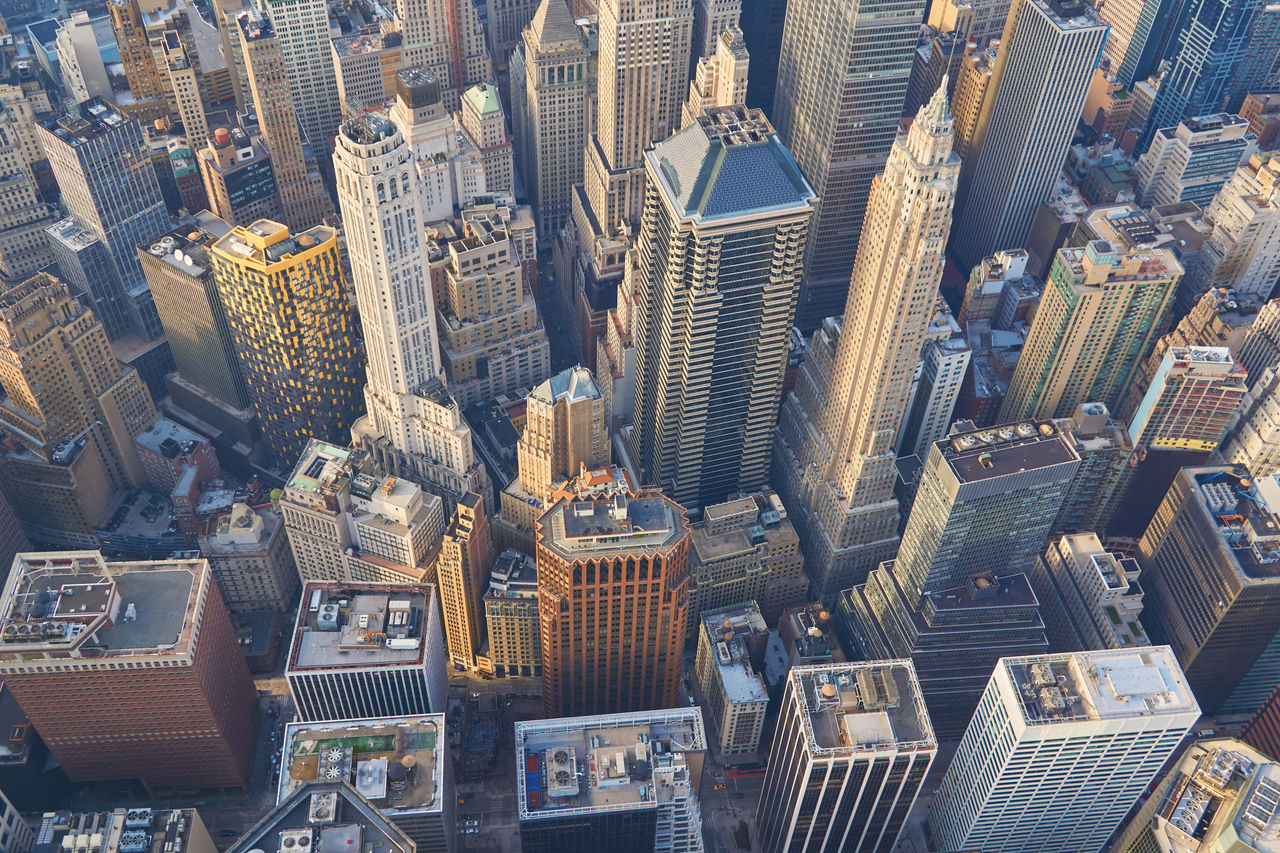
(719, 786)
(228, 833)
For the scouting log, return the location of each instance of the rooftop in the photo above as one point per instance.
(324, 817)
(731, 632)
(583, 765)
(1247, 515)
(513, 576)
(96, 117)
(1100, 685)
(394, 762)
(573, 384)
(620, 524)
(859, 707)
(75, 604)
(187, 248)
(124, 830)
(359, 626)
(1002, 450)
(267, 243)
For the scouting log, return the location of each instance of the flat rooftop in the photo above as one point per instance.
(1246, 513)
(67, 603)
(1100, 685)
(730, 633)
(394, 762)
(123, 830)
(97, 117)
(325, 817)
(583, 765)
(358, 626)
(321, 465)
(268, 243)
(1002, 450)
(863, 706)
(619, 524)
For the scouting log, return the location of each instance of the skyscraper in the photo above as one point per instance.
(710, 19)
(1103, 307)
(1253, 431)
(1209, 566)
(140, 29)
(462, 573)
(720, 255)
(12, 539)
(843, 70)
(183, 721)
(1131, 49)
(238, 181)
(1213, 37)
(412, 425)
(720, 77)
(286, 303)
(1072, 740)
(833, 457)
(944, 363)
(482, 120)
(619, 648)
(850, 753)
(302, 29)
(1192, 161)
(762, 23)
(72, 409)
(303, 198)
(1192, 397)
(1046, 59)
(1261, 61)
(1089, 597)
(108, 186)
(731, 644)
(447, 38)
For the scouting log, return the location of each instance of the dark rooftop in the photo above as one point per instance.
(1008, 449)
(331, 818)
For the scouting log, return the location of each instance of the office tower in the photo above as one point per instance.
(624, 782)
(84, 75)
(939, 57)
(249, 555)
(986, 501)
(1263, 729)
(745, 550)
(852, 747)
(1260, 65)
(843, 70)
(183, 722)
(730, 655)
(511, 617)
(1192, 161)
(711, 18)
(1240, 252)
(566, 430)
(367, 650)
(1192, 397)
(1207, 566)
(306, 77)
(762, 25)
(1103, 310)
(365, 64)
(712, 338)
(348, 522)
(123, 827)
(970, 91)
(25, 218)
(833, 457)
(1213, 38)
(1108, 105)
(506, 22)
(400, 765)
(99, 159)
(1253, 430)
(184, 82)
(1260, 109)
(492, 340)
(328, 813)
(462, 572)
(1029, 113)
(412, 425)
(286, 302)
(1260, 347)
(72, 410)
(238, 181)
(447, 39)
(720, 78)
(12, 539)
(1073, 739)
(552, 89)
(486, 127)
(1089, 597)
(977, 20)
(617, 650)
(1107, 463)
(944, 362)
(140, 29)
(303, 199)
(984, 295)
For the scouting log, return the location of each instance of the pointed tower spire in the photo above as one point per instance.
(936, 114)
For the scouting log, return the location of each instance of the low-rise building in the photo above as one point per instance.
(731, 651)
(1089, 597)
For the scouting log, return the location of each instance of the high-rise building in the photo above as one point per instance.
(182, 721)
(301, 27)
(730, 656)
(24, 247)
(462, 574)
(552, 108)
(762, 23)
(184, 81)
(122, 826)
(1209, 566)
(140, 29)
(720, 77)
(511, 618)
(367, 650)
(1103, 308)
(1260, 345)
(286, 302)
(1107, 462)
(482, 120)
(71, 414)
(329, 813)
(84, 75)
(366, 64)
(347, 522)
(1089, 597)
(1253, 430)
(1191, 162)
(939, 57)
(712, 338)
(100, 160)
(1029, 111)
(1192, 397)
(842, 78)
(238, 181)
(1212, 39)
(970, 91)
(745, 550)
(506, 22)
(12, 539)
(976, 20)
(447, 39)
(623, 782)
(1263, 729)
(249, 554)
(833, 461)
(272, 75)
(944, 363)
(711, 18)
(412, 425)
(620, 649)
(1073, 739)
(850, 753)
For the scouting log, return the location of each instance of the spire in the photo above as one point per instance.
(937, 113)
